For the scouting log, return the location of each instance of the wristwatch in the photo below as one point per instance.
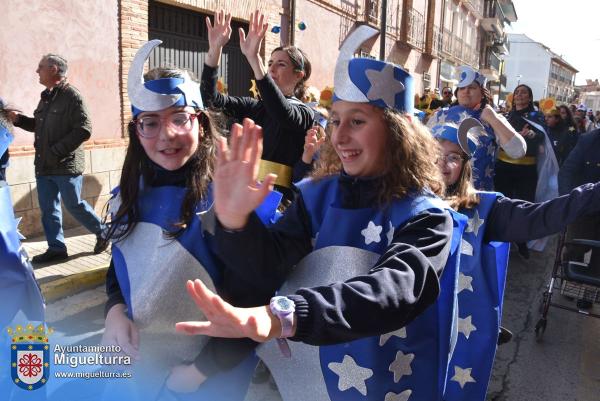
(283, 308)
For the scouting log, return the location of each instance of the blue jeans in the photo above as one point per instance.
(50, 190)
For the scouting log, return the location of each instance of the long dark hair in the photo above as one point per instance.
(569, 121)
(300, 63)
(137, 164)
(530, 106)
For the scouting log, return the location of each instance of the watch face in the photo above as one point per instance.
(284, 304)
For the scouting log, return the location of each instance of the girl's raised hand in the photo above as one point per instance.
(220, 32)
(250, 45)
(236, 190)
(312, 143)
(225, 320)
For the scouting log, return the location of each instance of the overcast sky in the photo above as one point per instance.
(568, 28)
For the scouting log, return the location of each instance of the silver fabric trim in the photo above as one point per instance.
(300, 378)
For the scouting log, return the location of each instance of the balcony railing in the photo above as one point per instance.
(447, 42)
(416, 29)
(394, 17)
(492, 61)
(436, 45)
(457, 48)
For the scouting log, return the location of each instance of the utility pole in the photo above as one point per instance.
(383, 30)
(292, 22)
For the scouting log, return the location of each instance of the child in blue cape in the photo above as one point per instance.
(494, 221)
(161, 238)
(364, 259)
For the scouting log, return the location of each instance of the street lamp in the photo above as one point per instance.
(519, 79)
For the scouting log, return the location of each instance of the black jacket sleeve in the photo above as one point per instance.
(401, 285)
(293, 115)
(26, 123)
(572, 168)
(80, 123)
(235, 106)
(519, 221)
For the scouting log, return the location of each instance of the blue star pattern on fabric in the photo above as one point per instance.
(351, 374)
(484, 157)
(372, 233)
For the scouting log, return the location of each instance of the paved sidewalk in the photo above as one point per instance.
(83, 269)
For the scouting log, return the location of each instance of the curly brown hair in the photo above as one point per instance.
(411, 153)
(137, 164)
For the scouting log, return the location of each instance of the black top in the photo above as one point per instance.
(516, 119)
(284, 120)
(583, 163)
(514, 220)
(563, 138)
(363, 306)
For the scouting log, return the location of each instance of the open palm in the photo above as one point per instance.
(250, 45)
(220, 32)
(223, 319)
(236, 190)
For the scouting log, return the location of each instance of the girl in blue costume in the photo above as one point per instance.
(360, 253)
(161, 238)
(494, 221)
(473, 99)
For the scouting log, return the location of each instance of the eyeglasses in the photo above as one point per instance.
(180, 123)
(453, 159)
(447, 92)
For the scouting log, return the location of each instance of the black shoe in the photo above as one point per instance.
(101, 244)
(51, 255)
(504, 335)
(584, 304)
(523, 250)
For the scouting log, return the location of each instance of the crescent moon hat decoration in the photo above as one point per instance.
(366, 80)
(467, 75)
(158, 94)
(464, 134)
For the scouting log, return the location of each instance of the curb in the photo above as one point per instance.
(74, 283)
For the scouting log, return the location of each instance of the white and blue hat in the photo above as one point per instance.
(160, 93)
(460, 134)
(365, 80)
(468, 75)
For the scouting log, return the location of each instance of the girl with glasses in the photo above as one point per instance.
(161, 234)
(494, 221)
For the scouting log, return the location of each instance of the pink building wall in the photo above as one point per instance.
(85, 33)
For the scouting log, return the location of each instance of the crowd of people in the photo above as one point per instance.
(342, 252)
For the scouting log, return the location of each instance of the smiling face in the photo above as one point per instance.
(283, 72)
(172, 147)
(359, 136)
(521, 97)
(470, 96)
(451, 162)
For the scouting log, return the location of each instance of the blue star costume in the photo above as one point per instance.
(410, 361)
(364, 268)
(22, 300)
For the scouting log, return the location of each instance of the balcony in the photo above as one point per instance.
(415, 33)
(457, 48)
(447, 42)
(491, 67)
(436, 44)
(493, 20)
(371, 12)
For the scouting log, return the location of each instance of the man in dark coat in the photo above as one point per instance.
(61, 124)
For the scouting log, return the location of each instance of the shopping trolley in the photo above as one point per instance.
(572, 280)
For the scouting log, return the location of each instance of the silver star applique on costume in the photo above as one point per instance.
(462, 376)
(474, 223)
(351, 375)
(464, 283)
(489, 171)
(17, 222)
(401, 365)
(191, 90)
(463, 115)
(372, 233)
(466, 248)
(383, 85)
(491, 149)
(114, 204)
(465, 326)
(403, 396)
(390, 233)
(401, 332)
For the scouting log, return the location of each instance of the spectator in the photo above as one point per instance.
(61, 125)
(562, 136)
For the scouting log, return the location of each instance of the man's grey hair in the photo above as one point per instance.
(58, 61)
